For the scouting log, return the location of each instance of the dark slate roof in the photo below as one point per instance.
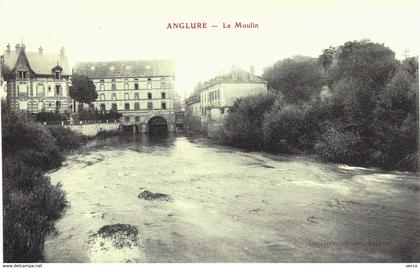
(39, 63)
(132, 68)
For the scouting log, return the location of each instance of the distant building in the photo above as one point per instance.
(142, 90)
(36, 81)
(3, 87)
(211, 100)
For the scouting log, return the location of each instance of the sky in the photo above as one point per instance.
(100, 30)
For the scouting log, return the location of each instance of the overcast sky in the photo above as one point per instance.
(136, 29)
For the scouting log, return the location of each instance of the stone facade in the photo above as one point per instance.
(140, 90)
(37, 81)
(211, 100)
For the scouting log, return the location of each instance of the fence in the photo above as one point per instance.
(81, 122)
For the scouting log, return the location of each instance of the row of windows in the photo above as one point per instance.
(127, 87)
(211, 96)
(114, 106)
(24, 75)
(136, 96)
(23, 90)
(127, 80)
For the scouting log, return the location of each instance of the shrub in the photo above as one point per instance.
(243, 124)
(65, 138)
(340, 146)
(29, 141)
(30, 205)
(282, 128)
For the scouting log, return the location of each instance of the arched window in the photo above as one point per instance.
(103, 107)
(102, 97)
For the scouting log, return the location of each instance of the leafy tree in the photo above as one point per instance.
(396, 119)
(243, 125)
(370, 63)
(83, 89)
(298, 78)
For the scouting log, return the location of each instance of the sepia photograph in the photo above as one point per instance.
(221, 132)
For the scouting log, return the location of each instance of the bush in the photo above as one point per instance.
(51, 116)
(65, 138)
(340, 146)
(87, 114)
(29, 141)
(243, 124)
(30, 205)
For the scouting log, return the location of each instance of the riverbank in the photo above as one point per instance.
(31, 203)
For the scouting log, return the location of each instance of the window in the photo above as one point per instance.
(22, 74)
(150, 105)
(57, 90)
(136, 106)
(114, 107)
(126, 96)
(57, 75)
(163, 95)
(101, 87)
(149, 85)
(113, 85)
(127, 118)
(149, 96)
(162, 85)
(127, 106)
(136, 85)
(102, 97)
(126, 84)
(91, 107)
(149, 79)
(102, 107)
(114, 96)
(163, 105)
(137, 118)
(57, 105)
(40, 92)
(49, 88)
(136, 96)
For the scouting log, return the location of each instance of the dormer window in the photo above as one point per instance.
(57, 72)
(22, 74)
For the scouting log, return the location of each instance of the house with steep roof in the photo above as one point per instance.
(141, 90)
(36, 81)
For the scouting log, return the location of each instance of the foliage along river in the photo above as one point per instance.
(229, 205)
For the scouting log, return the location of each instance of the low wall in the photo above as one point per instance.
(93, 129)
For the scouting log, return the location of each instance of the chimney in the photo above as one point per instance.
(40, 49)
(17, 47)
(8, 48)
(62, 52)
(251, 70)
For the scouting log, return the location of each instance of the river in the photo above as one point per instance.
(229, 205)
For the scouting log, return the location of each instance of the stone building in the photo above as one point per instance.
(212, 99)
(142, 90)
(36, 81)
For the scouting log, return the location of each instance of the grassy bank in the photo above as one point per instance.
(30, 202)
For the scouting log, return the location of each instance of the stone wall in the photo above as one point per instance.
(92, 129)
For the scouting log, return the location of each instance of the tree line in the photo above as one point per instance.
(355, 103)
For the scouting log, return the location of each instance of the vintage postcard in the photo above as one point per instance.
(233, 131)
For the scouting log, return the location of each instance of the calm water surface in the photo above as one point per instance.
(234, 206)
